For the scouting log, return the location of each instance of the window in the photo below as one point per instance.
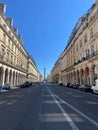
(8, 43)
(17, 62)
(92, 49)
(4, 38)
(80, 56)
(77, 48)
(12, 46)
(15, 49)
(91, 32)
(85, 38)
(87, 53)
(11, 59)
(13, 37)
(80, 43)
(9, 33)
(14, 60)
(3, 53)
(4, 26)
(16, 41)
(7, 56)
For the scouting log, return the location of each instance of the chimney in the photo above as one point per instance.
(2, 9)
(15, 30)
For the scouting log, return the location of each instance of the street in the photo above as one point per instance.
(48, 107)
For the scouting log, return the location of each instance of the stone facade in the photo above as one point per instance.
(56, 72)
(79, 60)
(13, 55)
(33, 73)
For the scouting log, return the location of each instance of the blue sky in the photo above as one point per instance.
(45, 26)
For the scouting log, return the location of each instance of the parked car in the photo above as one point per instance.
(8, 86)
(26, 84)
(61, 84)
(76, 86)
(85, 87)
(68, 84)
(71, 85)
(95, 87)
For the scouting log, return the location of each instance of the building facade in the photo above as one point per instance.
(13, 55)
(33, 73)
(79, 62)
(56, 72)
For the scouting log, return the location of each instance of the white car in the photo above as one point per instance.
(8, 86)
(95, 88)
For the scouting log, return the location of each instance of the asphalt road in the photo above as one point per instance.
(48, 107)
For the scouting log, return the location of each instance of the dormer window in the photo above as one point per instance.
(4, 26)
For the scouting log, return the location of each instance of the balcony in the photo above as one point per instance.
(92, 56)
(6, 61)
(89, 57)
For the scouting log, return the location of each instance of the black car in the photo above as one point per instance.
(26, 84)
(68, 84)
(71, 86)
(85, 87)
(76, 86)
(61, 84)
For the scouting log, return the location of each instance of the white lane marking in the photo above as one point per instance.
(91, 102)
(82, 114)
(71, 123)
(52, 117)
(51, 102)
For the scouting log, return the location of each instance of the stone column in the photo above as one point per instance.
(19, 79)
(3, 77)
(12, 78)
(92, 77)
(7, 80)
(76, 77)
(80, 77)
(15, 80)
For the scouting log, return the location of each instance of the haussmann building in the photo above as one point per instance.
(78, 63)
(16, 64)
